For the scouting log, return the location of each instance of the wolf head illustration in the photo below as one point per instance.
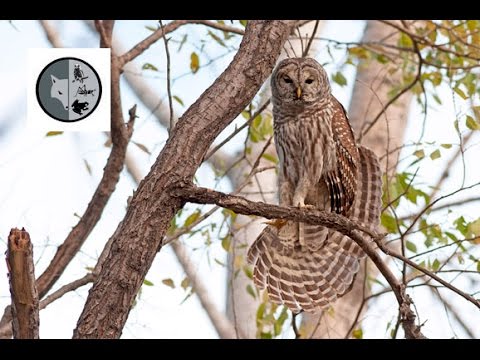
(59, 90)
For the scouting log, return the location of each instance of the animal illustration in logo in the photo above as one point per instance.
(78, 74)
(63, 84)
(59, 90)
(84, 91)
(79, 107)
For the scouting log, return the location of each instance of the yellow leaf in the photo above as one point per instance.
(53, 133)
(194, 62)
(169, 283)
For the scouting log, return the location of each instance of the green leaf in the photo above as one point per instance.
(446, 146)
(437, 99)
(248, 271)
(474, 228)
(436, 265)
(143, 148)
(191, 218)
(455, 124)
(227, 243)
(277, 326)
(405, 41)
(89, 268)
(261, 311)
(461, 225)
(250, 291)
(219, 262)
(229, 213)
(87, 165)
(194, 62)
(54, 133)
(177, 99)
(478, 266)
(149, 283)
(419, 154)
(382, 59)
(471, 123)
(339, 79)
(271, 158)
(389, 223)
(460, 93)
(148, 66)
(169, 283)
(243, 22)
(411, 246)
(265, 335)
(216, 38)
(359, 52)
(435, 155)
(151, 28)
(357, 333)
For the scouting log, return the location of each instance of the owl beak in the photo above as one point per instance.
(299, 92)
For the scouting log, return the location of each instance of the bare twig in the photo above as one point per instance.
(417, 78)
(236, 131)
(170, 27)
(74, 285)
(449, 307)
(430, 274)
(448, 166)
(169, 91)
(312, 37)
(22, 285)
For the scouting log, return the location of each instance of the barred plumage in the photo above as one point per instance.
(307, 267)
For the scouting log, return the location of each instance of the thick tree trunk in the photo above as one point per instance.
(364, 107)
(241, 305)
(152, 207)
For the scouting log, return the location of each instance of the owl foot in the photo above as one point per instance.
(278, 223)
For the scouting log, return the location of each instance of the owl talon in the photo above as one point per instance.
(278, 223)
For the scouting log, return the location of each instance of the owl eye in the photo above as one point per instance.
(287, 80)
(60, 93)
(308, 81)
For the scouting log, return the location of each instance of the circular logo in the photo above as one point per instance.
(69, 89)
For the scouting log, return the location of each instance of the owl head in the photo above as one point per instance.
(299, 82)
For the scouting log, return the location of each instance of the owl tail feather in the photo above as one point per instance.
(311, 278)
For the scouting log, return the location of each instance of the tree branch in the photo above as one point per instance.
(191, 193)
(240, 205)
(74, 285)
(22, 285)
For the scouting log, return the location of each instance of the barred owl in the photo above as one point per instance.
(307, 267)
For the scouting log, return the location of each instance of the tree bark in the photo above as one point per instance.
(152, 207)
(22, 285)
(364, 106)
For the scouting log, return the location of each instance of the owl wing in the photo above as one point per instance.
(342, 181)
